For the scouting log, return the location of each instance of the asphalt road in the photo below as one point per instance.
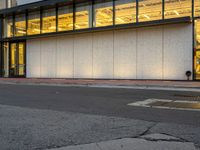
(45, 117)
(100, 101)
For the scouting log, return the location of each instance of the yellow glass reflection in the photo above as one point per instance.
(197, 8)
(125, 13)
(21, 58)
(49, 21)
(33, 24)
(150, 10)
(20, 26)
(177, 8)
(33, 27)
(65, 22)
(8, 31)
(103, 16)
(13, 54)
(197, 49)
(82, 20)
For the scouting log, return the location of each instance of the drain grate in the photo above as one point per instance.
(168, 104)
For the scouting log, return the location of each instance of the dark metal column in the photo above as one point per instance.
(1, 46)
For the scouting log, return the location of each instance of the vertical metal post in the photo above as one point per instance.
(56, 17)
(163, 9)
(1, 46)
(113, 12)
(137, 11)
(74, 14)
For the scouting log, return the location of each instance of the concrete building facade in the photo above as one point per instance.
(103, 39)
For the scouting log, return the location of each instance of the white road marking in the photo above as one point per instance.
(146, 103)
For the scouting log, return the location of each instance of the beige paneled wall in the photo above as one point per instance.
(160, 52)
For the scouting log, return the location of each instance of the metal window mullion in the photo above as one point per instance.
(137, 10)
(41, 16)
(26, 22)
(163, 9)
(93, 14)
(13, 28)
(74, 14)
(56, 17)
(193, 10)
(113, 1)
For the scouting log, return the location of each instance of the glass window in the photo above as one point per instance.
(177, 8)
(150, 10)
(20, 25)
(103, 13)
(8, 27)
(197, 49)
(83, 18)
(2, 4)
(49, 21)
(65, 18)
(13, 3)
(5, 59)
(197, 8)
(125, 11)
(33, 23)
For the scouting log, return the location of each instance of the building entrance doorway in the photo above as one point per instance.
(17, 57)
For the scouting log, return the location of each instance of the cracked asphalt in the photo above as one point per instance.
(45, 117)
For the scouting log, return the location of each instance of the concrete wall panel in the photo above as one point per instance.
(163, 52)
(48, 57)
(125, 54)
(177, 51)
(83, 56)
(149, 53)
(33, 58)
(103, 55)
(64, 57)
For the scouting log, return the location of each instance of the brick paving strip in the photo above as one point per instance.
(102, 83)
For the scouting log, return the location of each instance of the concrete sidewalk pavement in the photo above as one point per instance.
(135, 84)
(147, 142)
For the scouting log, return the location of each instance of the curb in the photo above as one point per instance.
(136, 87)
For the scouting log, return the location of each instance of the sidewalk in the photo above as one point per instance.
(136, 84)
(149, 142)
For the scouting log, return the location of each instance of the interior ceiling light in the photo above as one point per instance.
(77, 26)
(176, 12)
(20, 31)
(147, 16)
(53, 27)
(37, 30)
(120, 20)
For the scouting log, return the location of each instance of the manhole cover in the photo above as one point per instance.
(168, 104)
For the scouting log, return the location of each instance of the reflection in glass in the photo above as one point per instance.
(49, 21)
(150, 10)
(13, 3)
(21, 65)
(20, 25)
(8, 26)
(197, 8)
(65, 18)
(103, 13)
(125, 11)
(13, 58)
(83, 16)
(177, 8)
(5, 59)
(197, 49)
(33, 23)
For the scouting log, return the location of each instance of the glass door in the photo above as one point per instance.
(17, 59)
